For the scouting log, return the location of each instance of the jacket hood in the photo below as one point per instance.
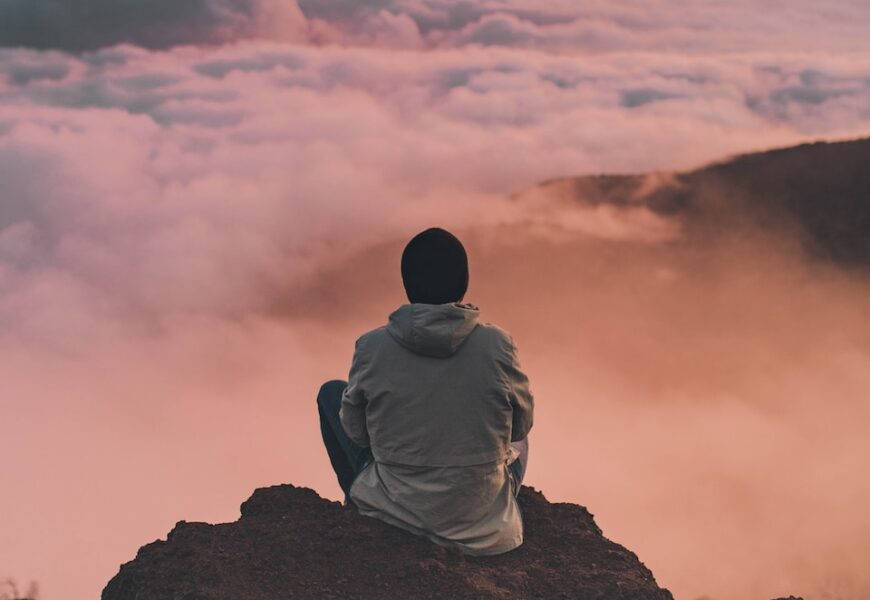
(433, 329)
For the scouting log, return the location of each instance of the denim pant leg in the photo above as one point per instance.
(347, 458)
(518, 467)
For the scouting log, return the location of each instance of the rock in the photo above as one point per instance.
(291, 543)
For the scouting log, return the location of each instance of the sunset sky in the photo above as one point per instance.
(203, 205)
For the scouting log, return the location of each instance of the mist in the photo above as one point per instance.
(197, 222)
(706, 402)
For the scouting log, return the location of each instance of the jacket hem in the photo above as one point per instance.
(402, 460)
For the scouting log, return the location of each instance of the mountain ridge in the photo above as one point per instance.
(818, 192)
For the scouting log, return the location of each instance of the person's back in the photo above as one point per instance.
(437, 397)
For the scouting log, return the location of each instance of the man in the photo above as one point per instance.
(429, 432)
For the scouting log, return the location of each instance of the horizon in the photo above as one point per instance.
(204, 206)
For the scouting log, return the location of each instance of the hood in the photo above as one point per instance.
(433, 329)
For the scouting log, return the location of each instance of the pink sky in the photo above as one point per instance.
(197, 222)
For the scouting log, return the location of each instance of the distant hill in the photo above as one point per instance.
(820, 191)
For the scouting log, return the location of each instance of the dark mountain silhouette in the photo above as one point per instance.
(820, 191)
(290, 543)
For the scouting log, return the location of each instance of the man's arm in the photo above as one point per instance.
(353, 402)
(521, 398)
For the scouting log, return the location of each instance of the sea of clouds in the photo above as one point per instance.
(185, 184)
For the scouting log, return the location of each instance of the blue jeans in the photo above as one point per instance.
(348, 459)
(517, 469)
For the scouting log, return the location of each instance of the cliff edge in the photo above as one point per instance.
(291, 543)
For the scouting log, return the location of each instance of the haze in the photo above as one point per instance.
(201, 209)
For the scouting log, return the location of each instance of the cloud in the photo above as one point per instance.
(638, 97)
(21, 69)
(554, 26)
(502, 30)
(240, 158)
(598, 26)
(92, 24)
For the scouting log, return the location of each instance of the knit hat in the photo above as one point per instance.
(435, 268)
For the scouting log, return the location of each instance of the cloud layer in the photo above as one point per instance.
(247, 159)
(92, 24)
(556, 25)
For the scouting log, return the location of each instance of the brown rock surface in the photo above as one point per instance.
(291, 543)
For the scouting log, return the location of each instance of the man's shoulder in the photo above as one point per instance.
(494, 334)
(373, 336)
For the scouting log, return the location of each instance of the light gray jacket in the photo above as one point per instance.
(439, 396)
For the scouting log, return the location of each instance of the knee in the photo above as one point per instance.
(331, 389)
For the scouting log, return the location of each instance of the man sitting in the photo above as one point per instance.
(429, 433)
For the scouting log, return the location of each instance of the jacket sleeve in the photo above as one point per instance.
(521, 399)
(353, 401)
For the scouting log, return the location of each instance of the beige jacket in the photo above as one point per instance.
(439, 397)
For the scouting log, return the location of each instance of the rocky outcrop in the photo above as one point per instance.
(291, 543)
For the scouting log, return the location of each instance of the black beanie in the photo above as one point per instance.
(435, 268)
